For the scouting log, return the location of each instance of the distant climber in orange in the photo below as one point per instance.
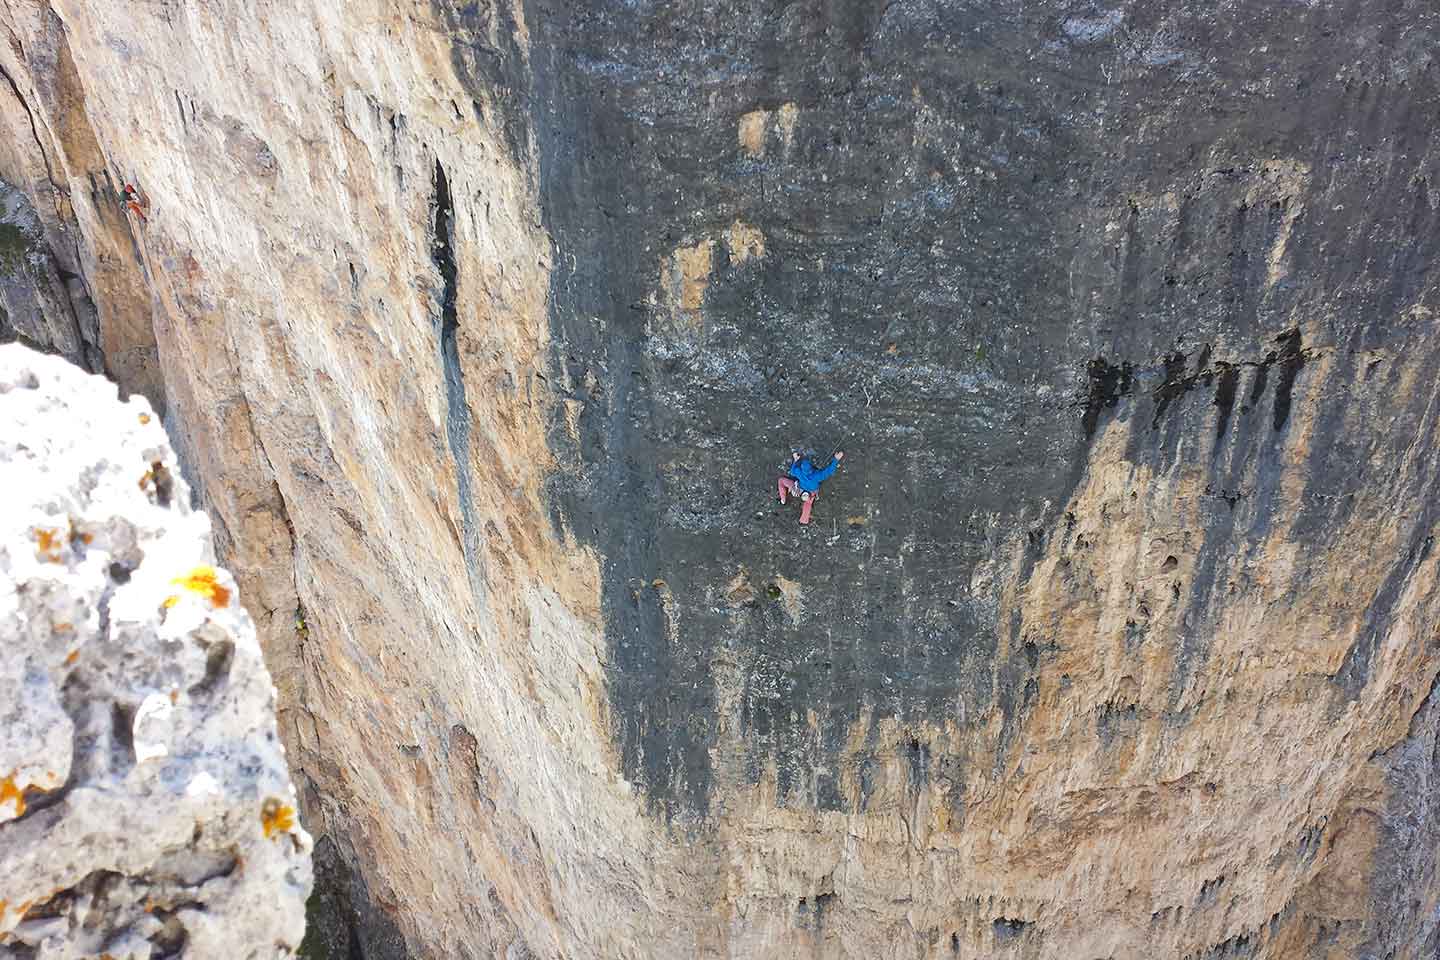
(136, 203)
(804, 478)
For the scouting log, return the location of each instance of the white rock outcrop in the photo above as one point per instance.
(145, 806)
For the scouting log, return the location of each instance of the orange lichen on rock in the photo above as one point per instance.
(79, 536)
(72, 657)
(276, 817)
(47, 544)
(144, 418)
(159, 482)
(204, 582)
(9, 792)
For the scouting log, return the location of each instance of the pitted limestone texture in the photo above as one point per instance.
(145, 807)
(569, 682)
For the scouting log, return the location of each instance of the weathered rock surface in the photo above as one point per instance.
(145, 807)
(39, 300)
(485, 328)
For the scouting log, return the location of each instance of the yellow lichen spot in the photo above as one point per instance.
(47, 544)
(744, 242)
(144, 418)
(692, 267)
(751, 132)
(790, 594)
(174, 696)
(204, 582)
(11, 793)
(276, 817)
(789, 113)
(73, 656)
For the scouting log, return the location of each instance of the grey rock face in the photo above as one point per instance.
(985, 231)
(42, 303)
(963, 242)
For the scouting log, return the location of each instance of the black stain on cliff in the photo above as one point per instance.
(1108, 383)
(1355, 670)
(937, 275)
(1225, 398)
(457, 408)
(1288, 359)
(875, 319)
(486, 45)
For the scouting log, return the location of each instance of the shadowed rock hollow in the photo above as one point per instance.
(487, 329)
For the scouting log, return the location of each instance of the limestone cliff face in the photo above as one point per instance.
(485, 328)
(145, 807)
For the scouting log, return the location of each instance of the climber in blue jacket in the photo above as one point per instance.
(804, 478)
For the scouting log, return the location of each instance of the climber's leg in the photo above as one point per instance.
(787, 485)
(805, 506)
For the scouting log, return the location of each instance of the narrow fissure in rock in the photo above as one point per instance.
(457, 408)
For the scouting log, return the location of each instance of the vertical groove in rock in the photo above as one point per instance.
(457, 407)
(34, 133)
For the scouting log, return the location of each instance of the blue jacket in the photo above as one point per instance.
(809, 477)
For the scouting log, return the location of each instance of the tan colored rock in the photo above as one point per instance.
(345, 269)
(287, 255)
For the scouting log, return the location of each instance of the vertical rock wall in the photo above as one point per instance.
(50, 152)
(345, 274)
(484, 328)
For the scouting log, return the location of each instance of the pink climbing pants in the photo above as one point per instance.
(788, 487)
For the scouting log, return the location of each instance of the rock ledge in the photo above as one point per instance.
(145, 806)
